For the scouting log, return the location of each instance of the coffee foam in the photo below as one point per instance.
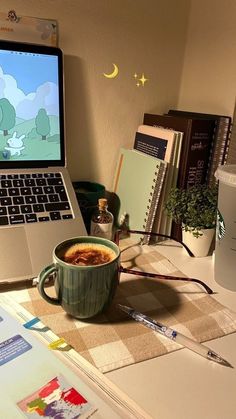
(87, 254)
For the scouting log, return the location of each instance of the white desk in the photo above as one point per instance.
(182, 384)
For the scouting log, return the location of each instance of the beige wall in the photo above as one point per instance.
(209, 74)
(149, 36)
(139, 36)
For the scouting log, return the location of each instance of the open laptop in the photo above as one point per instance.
(38, 206)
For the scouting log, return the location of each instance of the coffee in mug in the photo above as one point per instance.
(87, 254)
(86, 271)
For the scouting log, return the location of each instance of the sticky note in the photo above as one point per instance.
(31, 322)
(56, 343)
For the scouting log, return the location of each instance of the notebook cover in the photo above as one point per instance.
(138, 183)
(165, 144)
(155, 141)
(166, 222)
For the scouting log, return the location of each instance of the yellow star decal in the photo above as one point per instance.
(143, 79)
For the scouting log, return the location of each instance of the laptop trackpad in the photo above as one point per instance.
(14, 254)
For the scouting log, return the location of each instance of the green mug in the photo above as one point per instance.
(82, 291)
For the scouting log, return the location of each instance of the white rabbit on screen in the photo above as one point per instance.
(15, 144)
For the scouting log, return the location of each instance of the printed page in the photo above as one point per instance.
(35, 381)
(28, 29)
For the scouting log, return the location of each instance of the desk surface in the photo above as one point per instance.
(182, 384)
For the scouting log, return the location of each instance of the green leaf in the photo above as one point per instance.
(194, 207)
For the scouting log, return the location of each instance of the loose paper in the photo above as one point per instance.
(28, 29)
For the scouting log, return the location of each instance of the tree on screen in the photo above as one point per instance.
(42, 123)
(7, 116)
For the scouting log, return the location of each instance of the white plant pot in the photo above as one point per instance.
(199, 246)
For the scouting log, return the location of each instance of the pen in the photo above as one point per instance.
(174, 335)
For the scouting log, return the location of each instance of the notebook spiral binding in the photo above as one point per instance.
(154, 200)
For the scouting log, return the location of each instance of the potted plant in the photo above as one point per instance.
(195, 210)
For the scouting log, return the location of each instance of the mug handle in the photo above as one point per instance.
(42, 278)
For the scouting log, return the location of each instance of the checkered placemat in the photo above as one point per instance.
(112, 340)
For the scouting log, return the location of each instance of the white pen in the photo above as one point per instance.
(185, 341)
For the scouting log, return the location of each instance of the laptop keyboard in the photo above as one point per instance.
(34, 197)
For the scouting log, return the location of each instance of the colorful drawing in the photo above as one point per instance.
(57, 399)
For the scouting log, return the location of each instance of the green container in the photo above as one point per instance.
(88, 194)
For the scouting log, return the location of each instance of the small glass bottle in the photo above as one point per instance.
(102, 221)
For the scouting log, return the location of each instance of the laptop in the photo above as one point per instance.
(38, 205)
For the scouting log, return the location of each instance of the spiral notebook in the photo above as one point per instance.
(165, 144)
(138, 182)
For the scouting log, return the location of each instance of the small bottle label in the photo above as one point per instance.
(101, 230)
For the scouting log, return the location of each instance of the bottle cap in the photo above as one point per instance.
(102, 202)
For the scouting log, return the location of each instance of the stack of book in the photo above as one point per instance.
(144, 177)
(166, 145)
(205, 145)
(180, 149)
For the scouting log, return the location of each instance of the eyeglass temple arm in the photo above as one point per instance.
(152, 275)
(167, 277)
(146, 233)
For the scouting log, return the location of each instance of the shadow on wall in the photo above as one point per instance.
(113, 206)
(81, 158)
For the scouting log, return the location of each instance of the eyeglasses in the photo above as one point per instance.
(153, 275)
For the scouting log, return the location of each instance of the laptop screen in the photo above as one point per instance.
(31, 106)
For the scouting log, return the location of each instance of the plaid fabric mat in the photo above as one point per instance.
(112, 341)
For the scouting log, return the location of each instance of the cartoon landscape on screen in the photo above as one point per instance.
(29, 121)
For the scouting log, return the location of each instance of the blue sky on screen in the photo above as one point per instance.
(30, 70)
(29, 82)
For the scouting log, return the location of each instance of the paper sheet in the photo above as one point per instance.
(28, 29)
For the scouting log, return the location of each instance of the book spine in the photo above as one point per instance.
(231, 155)
(220, 145)
(228, 140)
(154, 199)
(197, 155)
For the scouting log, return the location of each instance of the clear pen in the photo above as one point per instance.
(169, 333)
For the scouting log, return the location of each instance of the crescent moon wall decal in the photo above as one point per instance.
(113, 74)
